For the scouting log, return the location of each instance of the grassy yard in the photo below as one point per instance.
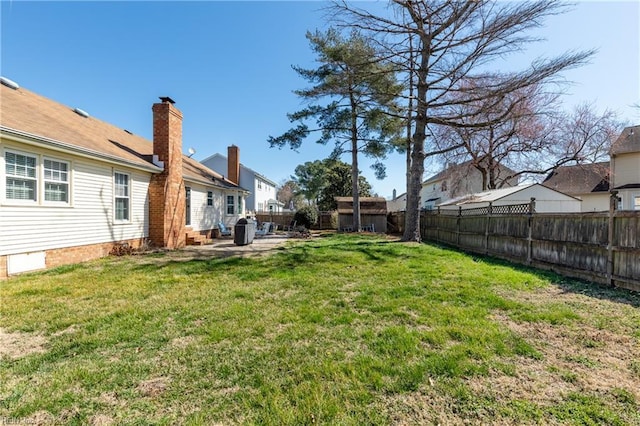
(336, 330)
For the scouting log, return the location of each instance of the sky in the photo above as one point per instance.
(228, 67)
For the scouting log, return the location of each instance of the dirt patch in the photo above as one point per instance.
(184, 341)
(101, 420)
(153, 387)
(39, 418)
(17, 345)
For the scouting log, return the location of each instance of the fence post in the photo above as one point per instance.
(458, 226)
(613, 202)
(486, 229)
(532, 210)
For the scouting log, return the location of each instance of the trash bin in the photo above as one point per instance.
(243, 232)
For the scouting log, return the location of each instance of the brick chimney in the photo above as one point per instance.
(233, 164)
(166, 190)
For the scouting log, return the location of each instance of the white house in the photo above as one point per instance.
(262, 191)
(73, 187)
(625, 168)
(547, 200)
(455, 181)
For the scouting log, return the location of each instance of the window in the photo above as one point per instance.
(209, 198)
(443, 187)
(259, 184)
(230, 205)
(260, 206)
(21, 175)
(29, 178)
(56, 181)
(121, 197)
(636, 202)
(239, 204)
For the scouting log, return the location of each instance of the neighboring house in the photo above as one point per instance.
(455, 181)
(625, 168)
(547, 200)
(589, 182)
(262, 197)
(398, 203)
(73, 187)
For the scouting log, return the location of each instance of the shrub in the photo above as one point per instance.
(306, 216)
(334, 219)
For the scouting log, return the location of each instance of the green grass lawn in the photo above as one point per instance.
(342, 330)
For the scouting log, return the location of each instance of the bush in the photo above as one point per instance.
(306, 216)
(334, 219)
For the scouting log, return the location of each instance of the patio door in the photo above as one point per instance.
(188, 206)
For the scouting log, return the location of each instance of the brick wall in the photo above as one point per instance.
(166, 189)
(3, 267)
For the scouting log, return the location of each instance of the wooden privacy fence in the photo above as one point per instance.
(284, 219)
(598, 247)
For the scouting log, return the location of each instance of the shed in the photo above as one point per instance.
(547, 200)
(373, 211)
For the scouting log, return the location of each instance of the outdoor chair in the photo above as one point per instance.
(224, 231)
(291, 226)
(264, 229)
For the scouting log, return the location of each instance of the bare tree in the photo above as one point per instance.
(444, 45)
(535, 138)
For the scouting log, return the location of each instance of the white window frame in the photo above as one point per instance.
(231, 205)
(209, 198)
(66, 182)
(636, 202)
(259, 185)
(40, 180)
(116, 197)
(240, 205)
(36, 196)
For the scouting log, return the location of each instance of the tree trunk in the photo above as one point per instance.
(354, 167)
(412, 216)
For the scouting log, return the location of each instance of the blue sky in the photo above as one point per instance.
(228, 67)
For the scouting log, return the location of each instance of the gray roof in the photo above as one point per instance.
(628, 141)
(579, 179)
(457, 171)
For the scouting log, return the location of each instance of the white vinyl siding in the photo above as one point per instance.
(90, 220)
(208, 207)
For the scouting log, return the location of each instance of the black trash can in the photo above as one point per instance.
(243, 232)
